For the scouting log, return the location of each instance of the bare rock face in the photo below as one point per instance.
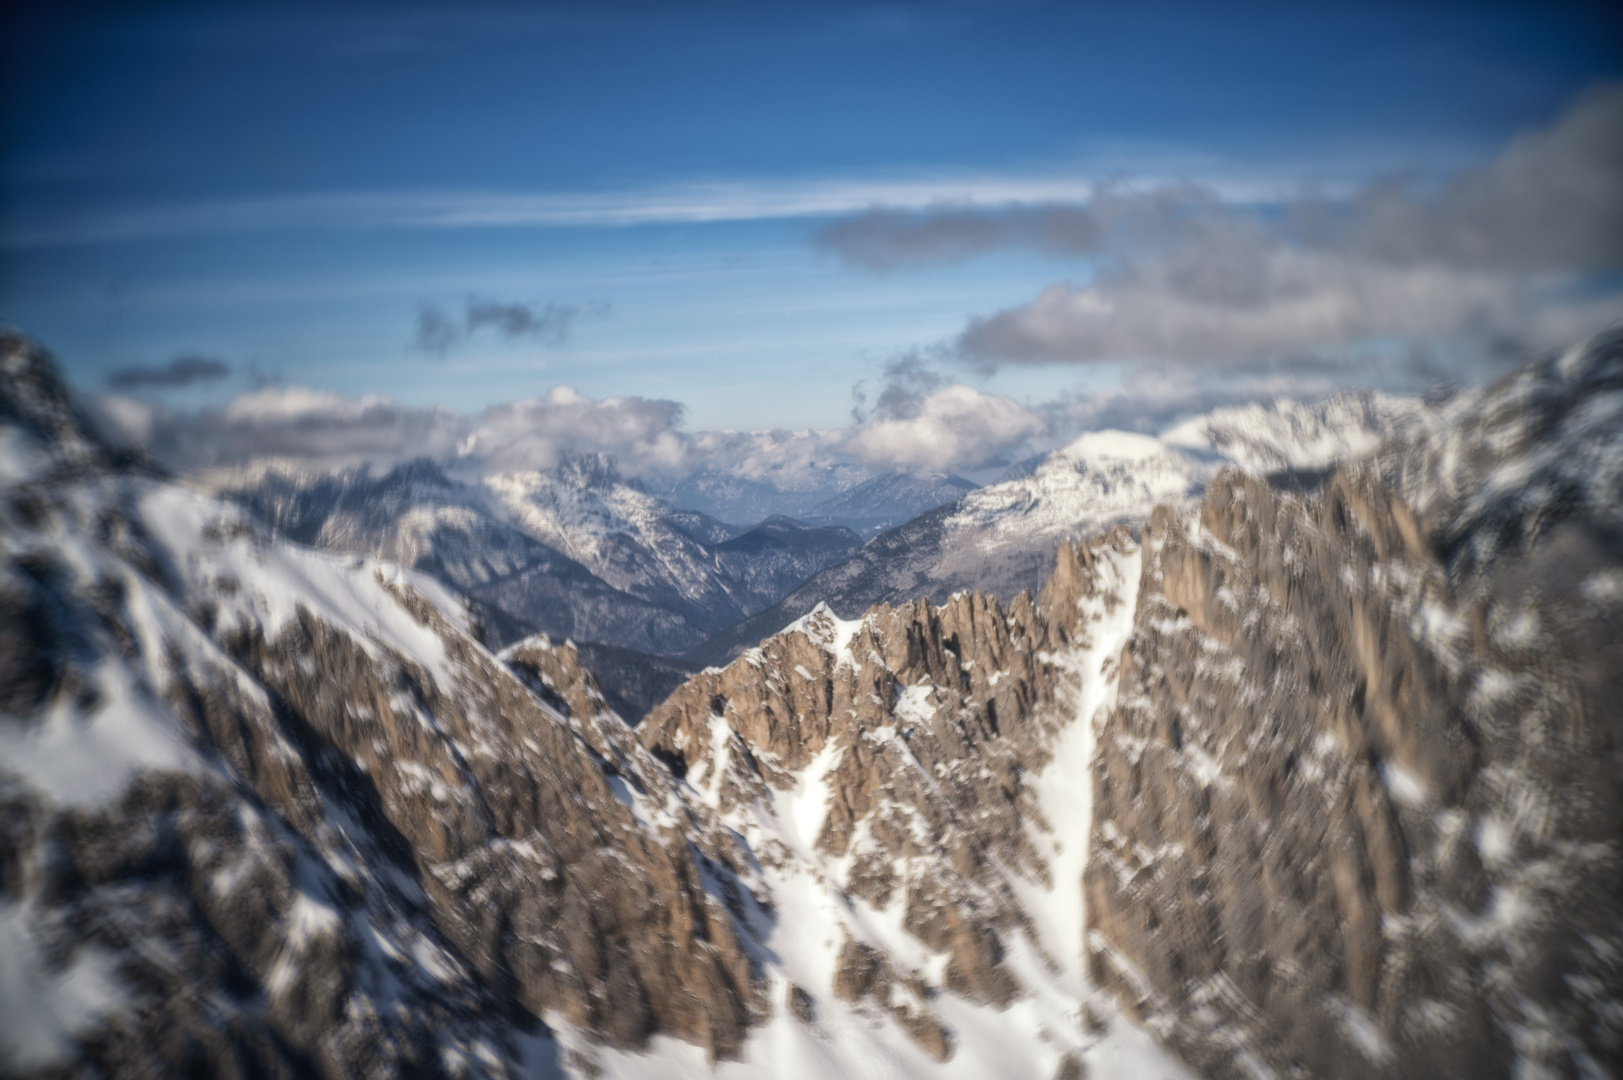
(1358, 811)
(801, 1004)
(866, 974)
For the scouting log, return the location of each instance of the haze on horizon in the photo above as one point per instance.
(940, 236)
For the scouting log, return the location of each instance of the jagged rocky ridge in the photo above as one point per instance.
(270, 811)
(1358, 812)
(1364, 735)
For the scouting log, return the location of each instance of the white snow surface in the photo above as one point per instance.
(1100, 479)
(44, 1004)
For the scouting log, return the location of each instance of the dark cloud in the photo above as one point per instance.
(1498, 256)
(908, 379)
(436, 331)
(1552, 201)
(180, 372)
(549, 323)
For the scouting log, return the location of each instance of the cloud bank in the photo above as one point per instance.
(1507, 255)
(932, 425)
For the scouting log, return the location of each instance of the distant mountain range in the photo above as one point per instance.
(581, 553)
(577, 553)
(886, 501)
(1001, 539)
(742, 500)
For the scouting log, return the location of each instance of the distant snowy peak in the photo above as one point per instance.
(592, 471)
(1294, 436)
(1111, 445)
(1105, 477)
(1102, 478)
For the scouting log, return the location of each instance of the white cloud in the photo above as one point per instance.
(640, 433)
(956, 427)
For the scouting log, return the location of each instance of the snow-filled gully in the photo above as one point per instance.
(813, 916)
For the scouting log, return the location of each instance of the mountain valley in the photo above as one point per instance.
(1303, 760)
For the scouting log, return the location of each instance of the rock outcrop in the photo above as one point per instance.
(1358, 811)
(277, 812)
(921, 724)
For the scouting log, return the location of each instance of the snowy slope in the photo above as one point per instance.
(576, 553)
(621, 534)
(461, 533)
(116, 590)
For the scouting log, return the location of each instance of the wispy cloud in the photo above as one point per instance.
(548, 323)
(742, 200)
(888, 238)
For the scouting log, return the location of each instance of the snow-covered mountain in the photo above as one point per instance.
(1358, 810)
(576, 553)
(1285, 436)
(888, 500)
(1001, 538)
(621, 534)
(1317, 783)
(273, 810)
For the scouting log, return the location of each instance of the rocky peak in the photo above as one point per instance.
(418, 472)
(1357, 812)
(589, 471)
(918, 725)
(36, 401)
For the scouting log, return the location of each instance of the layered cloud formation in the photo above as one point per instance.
(1205, 300)
(1507, 255)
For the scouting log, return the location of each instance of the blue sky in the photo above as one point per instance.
(285, 189)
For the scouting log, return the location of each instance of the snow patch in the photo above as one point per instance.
(1404, 786)
(44, 1009)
